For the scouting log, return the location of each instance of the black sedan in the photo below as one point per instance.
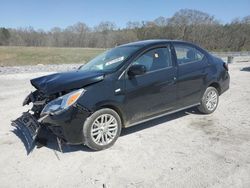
(122, 87)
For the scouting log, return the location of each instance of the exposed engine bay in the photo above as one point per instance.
(39, 100)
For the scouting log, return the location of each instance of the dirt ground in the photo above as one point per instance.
(182, 150)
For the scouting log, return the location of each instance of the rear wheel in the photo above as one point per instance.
(209, 101)
(102, 129)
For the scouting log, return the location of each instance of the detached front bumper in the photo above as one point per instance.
(67, 126)
(28, 126)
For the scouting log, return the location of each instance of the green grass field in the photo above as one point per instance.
(17, 56)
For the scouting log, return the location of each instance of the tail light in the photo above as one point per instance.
(225, 65)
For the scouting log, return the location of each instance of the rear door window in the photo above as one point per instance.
(187, 54)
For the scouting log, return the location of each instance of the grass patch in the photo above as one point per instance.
(17, 56)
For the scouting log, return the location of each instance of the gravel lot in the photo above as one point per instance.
(182, 150)
(37, 68)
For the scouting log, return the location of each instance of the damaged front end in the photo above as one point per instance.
(55, 106)
(29, 123)
(58, 113)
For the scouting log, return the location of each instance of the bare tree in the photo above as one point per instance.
(186, 24)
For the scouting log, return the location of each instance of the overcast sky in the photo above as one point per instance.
(45, 14)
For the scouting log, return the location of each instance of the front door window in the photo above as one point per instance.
(155, 59)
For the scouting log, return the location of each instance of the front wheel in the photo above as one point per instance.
(209, 101)
(102, 129)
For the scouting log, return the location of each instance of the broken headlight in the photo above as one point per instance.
(61, 103)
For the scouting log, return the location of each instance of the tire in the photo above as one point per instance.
(211, 94)
(99, 135)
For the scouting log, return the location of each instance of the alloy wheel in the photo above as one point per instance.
(211, 100)
(104, 129)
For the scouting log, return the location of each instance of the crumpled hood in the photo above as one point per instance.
(64, 81)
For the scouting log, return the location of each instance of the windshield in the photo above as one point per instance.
(109, 60)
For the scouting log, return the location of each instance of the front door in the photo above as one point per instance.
(153, 92)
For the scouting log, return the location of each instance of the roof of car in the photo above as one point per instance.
(152, 42)
(149, 42)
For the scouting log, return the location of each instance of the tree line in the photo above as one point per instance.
(186, 24)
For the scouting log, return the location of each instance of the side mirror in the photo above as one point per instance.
(137, 70)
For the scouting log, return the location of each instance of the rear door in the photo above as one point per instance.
(155, 91)
(192, 64)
